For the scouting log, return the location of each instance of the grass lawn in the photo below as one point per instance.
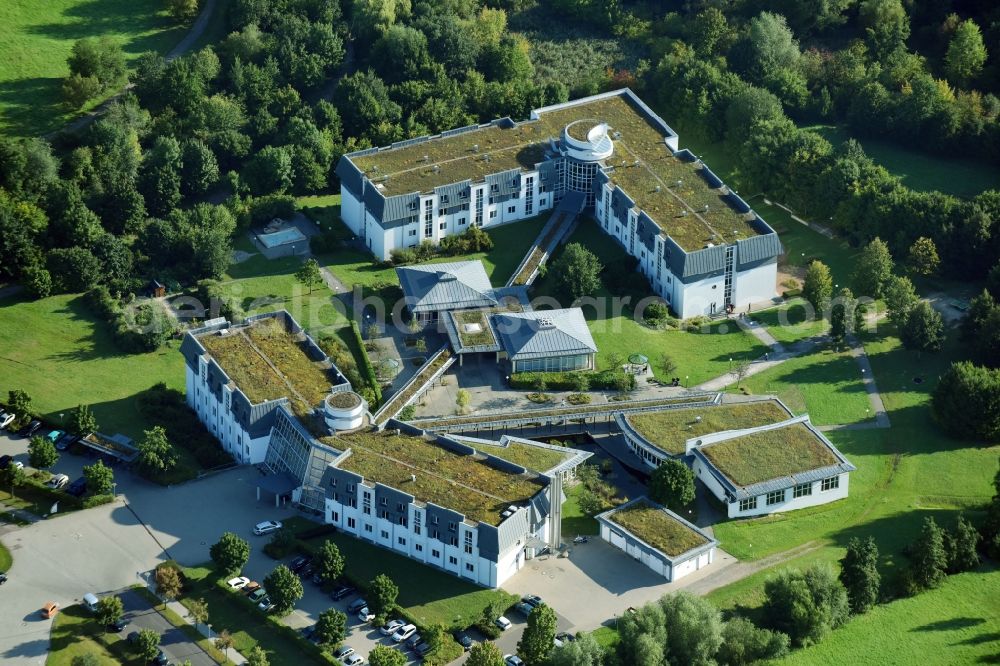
(574, 520)
(958, 623)
(920, 170)
(5, 558)
(657, 528)
(607, 638)
(62, 356)
(769, 454)
(534, 458)
(38, 36)
(76, 632)
(825, 383)
(792, 321)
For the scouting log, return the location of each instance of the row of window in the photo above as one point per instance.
(801, 490)
(352, 524)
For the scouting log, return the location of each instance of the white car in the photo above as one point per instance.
(266, 527)
(354, 660)
(502, 622)
(238, 583)
(512, 660)
(57, 481)
(343, 652)
(404, 632)
(17, 464)
(7, 419)
(366, 615)
(390, 627)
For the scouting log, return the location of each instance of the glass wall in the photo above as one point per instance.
(555, 363)
(580, 178)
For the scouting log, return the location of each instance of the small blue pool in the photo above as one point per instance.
(283, 237)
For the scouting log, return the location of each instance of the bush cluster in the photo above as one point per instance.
(162, 406)
(570, 381)
(473, 239)
(141, 328)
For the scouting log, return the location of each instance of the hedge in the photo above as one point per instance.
(566, 381)
(368, 369)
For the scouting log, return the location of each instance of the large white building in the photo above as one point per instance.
(698, 243)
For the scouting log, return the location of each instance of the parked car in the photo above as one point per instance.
(267, 527)
(238, 583)
(3, 578)
(161, 659)
(342, 592)
(55, 435)
(78, 487)
(533, 600)
(300, 563)
(250, 588)
(30, 429)
(353, 660)
(343, 652)
(66, 441)
(57, 481)
(512, 660)
(356, 605)
(7, 419)
(565, 637)
(524, 607)
(390, 627)
(257, 595)
(49, 609)
(366, 615)
(414, 641)
(5, 461)
(117, 626)
(265, 603)
(404, 632)
(503, 623)
(464, 640)
(423, 648)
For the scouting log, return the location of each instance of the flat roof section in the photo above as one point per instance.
(443, 477)
(769, 454)
(669, 429)
(656, 527)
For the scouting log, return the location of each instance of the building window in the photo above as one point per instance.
(802, 490)
(416, 522)
(384, 501)
(511, 209)
(435, 553)
(529, 195)
(385, 535)
(350, 487)
(542, 201)
(400, 507)
(452, 541)
(335, 516)
(351, 524)
(403, 521)
(417, 547)
(401, 541)
(748, 504)
(468, 542)
(469, 567)
(461, 221)
(428, 218)
(366, 503)
(333, 483)
(452, 559)
(479, 208)
(413, 232)
(493, 214)
(775, 497)
(443, 226)
(382, 513)
(444, 199)
(830, 484)
(368, 528)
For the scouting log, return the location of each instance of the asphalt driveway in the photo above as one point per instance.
(174, 643)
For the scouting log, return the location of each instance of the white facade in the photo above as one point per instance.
(217, 415)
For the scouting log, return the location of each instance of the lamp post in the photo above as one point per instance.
(114, 489)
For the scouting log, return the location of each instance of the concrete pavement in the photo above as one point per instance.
(174, 642)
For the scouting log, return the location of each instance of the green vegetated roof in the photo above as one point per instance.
(416, 382)
(267, 362)
(670, 428)
(535, 458)
(454, 159)
(446, 478)
(657, 528)
(473, 339)
(770, 454)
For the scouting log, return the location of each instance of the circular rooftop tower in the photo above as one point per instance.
(344, 410)
(587, 141)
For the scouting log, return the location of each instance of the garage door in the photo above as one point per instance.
(617, 540)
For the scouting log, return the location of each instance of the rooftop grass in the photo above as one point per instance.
(484, 337)
(248, 354)
(657, 528)
(344, 400)
(537, 253)
(670, 428)
(534, 458)
(770, 454)
(652, 183)
(444, 477)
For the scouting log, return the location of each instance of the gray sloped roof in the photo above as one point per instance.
(528, 335)
(448, 286)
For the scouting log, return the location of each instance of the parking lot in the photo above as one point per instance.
(174, 643)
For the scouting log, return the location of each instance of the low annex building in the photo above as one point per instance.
(657, 537)
(701, 246)
(474, 508)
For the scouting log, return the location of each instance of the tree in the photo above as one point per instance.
(284, 588)
(11, 477)
(643, 636)
(584, 651)
(842, 315)
(331, 627)
(99, 58)
(577, 272)
(224, 641)
(270, 170)
(805, 605)
(966, 402)
(19, 402)
(329, 562)
(886, 26)
(42, 452)
(110, 609)
(488, 654)
(981, 328)
(924, 328)
(257, 657)
(382, 593)
(672, 484)
(78, 90)
(923, 257)
(739, 369)
(743, 643)
(874, 268)
(462, 400)
(961, 547)
(309, 273)
(100, 478)
(147, 644)
(859, 574)
(160, 179)
(667, 364)
(900, 297)
(536, 642)
(200, 168)
(73, 269)
(168, 582)
(817, 287)
(966, 54)
(383, 655)
(694, 629)
(182, 10)
(708, 30)
(156, 453)
(770, 47)
(198, 610)
(82, 421)
(230, 553)
(928, 558)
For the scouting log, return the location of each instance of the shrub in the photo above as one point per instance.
(141, 328)
(367, 369)
(566, 381)
(261, 210)
(167, 408)
(281, 545)
(578, 399)
(539, 398)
